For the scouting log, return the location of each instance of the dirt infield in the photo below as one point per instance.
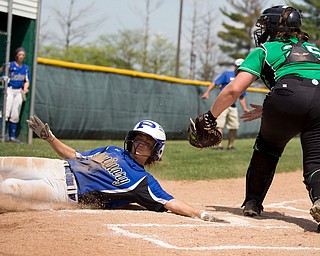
(284, 228)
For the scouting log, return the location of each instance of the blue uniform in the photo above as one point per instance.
(224, 79)
(109, 177)
(18, 75)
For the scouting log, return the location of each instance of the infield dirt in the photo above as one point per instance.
(285, 228)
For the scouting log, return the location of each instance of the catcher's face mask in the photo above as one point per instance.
(276, 19)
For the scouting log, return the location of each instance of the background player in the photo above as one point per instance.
(107, 177)
(228, 117)
(18, 87)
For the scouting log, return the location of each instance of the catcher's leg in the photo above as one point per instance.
(313, 186)
(259, 176)
(310, 140)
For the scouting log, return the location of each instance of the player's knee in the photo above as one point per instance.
(261, 146)
(10, 187)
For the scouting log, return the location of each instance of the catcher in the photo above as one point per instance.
(106, 177)
(290, 67)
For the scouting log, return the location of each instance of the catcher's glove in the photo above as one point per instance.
(202, 132)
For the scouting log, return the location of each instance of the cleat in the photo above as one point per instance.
(15, 140)
(315, 211)
(251, 208)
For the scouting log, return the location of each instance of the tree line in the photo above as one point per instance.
(141, 51)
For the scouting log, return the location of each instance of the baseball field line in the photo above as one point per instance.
(211, 224)
(119, 231)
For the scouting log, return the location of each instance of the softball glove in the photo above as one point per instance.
(202, 132)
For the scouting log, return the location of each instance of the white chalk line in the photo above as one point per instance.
(115, 228)
(234, 222)
(284, 205)
(207, 224)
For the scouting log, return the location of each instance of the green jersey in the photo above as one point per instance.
(270, 61)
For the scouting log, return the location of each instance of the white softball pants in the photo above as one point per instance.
(13, 105)
(32, 178)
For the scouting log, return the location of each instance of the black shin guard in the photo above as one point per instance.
(313, 185)
(259, 176)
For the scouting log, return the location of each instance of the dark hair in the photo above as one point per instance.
(300, 35)
(151, 160)
(284, 33)
(20, 49)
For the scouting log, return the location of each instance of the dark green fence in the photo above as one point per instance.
(92, 104)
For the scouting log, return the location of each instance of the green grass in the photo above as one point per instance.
(180, 160)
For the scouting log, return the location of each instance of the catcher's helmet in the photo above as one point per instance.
(152, 129)
(280, 18)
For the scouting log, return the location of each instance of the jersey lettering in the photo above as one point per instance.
(298, 53)
(287, 49)
(19, 77)
(146, 123)
(110, 165)
(314, 50)
(150, 124)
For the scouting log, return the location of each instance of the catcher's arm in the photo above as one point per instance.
(43, 131)
(232, 92)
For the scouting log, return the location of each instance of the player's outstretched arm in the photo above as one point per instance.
(62, 149)
(43, 131)
(179, 207)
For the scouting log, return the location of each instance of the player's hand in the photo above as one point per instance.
(42, 130)
(253, 114)
(208, 216)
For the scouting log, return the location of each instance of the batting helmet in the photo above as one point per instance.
(280, 18)
(152, 129)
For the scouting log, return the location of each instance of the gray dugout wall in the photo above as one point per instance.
(90, 102)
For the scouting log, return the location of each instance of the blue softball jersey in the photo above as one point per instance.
(116, 179)
(18, 75)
